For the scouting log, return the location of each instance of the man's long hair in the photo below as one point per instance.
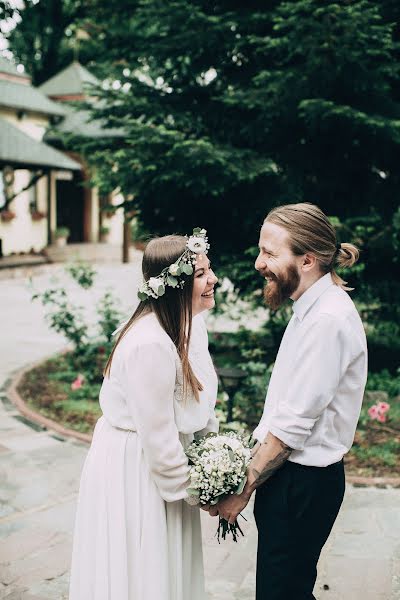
(310, 231)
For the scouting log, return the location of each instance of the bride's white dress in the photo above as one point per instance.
(135, 536)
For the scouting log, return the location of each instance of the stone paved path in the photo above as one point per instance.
(39, 477)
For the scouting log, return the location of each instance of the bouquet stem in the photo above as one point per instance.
(225, 528)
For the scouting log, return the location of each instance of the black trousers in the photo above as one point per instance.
(294, 512)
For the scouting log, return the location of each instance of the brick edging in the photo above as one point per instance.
(51, 425)
(14, 396)
(359, 481)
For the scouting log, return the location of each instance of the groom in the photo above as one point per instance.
(312, 405)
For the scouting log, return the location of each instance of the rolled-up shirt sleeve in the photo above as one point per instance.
(150, 372)
(315, 377)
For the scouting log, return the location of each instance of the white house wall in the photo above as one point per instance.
(22, 234)
(33, 125)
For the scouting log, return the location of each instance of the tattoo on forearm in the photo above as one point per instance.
(273, 465)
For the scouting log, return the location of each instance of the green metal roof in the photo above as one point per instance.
(10, 68)
(79, 122)
(71, 81)
(25, 97)
(19, 150)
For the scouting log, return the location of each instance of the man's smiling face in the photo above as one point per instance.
(277, 264)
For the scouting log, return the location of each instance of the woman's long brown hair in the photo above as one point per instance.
(173, 310)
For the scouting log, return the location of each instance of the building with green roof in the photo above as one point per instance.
(29, 167)
(17, 93)
(43, 187)
(72, 83)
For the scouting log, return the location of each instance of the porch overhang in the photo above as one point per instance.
(20, 151)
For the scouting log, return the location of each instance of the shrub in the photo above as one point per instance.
(67, 318)
(383, 346)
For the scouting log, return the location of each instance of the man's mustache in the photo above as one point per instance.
(266, 273)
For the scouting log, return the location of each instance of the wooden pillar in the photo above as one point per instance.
(52, 206)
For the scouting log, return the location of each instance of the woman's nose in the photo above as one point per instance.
(213, 278)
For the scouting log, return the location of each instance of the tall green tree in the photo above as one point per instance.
(230, 109)
(44, 39)
(6, 10)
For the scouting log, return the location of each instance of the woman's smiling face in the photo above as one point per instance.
(203, 285)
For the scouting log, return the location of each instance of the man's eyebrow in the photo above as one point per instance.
(265, 248)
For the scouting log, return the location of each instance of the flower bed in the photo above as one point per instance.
(57, 391)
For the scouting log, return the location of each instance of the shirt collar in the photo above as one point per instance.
(311, 295)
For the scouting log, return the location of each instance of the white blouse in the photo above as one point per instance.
(144, 393)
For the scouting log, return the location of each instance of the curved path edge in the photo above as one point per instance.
(46, 423)
(34, 416)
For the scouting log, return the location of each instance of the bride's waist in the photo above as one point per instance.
(185, 438)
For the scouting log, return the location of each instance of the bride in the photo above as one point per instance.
(135, 536)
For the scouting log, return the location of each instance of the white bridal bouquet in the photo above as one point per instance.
(219, 467)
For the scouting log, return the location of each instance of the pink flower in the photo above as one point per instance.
(383, 407)
(78, 382)
(373, 411)
(378, 411)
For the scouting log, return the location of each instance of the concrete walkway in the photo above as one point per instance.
(39, 477)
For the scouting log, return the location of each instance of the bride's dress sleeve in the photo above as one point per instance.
(211, 427)
(150, 372)
(208, 376)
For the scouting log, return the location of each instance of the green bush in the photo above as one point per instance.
(383, 346)
(68, 319)
(83, 273)
(249, 400)
(384, 381)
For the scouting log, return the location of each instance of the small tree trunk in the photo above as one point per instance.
(126, 241)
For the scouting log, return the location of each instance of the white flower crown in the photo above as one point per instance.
(196, 244)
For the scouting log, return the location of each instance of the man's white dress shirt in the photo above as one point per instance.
(316, 389)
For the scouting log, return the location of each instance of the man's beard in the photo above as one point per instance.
(281, 287)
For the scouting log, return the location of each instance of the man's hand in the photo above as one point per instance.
(230, 507)
(268, 457)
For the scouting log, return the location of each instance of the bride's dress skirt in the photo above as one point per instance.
(129, 544)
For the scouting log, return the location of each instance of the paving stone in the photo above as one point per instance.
(28, 442)
(55, 589)
(47, 563)
(22, 543)
(29, 423)
(7, 425)
(6, 509)
(23, 595)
